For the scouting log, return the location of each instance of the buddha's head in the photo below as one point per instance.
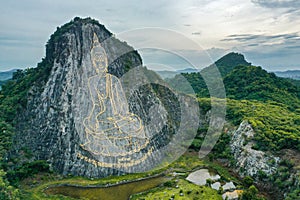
(98, 56)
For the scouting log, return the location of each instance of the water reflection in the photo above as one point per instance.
(119, 192)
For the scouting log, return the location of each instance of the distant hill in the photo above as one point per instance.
(228, 62)
(293, 74)
(167, 74)
(243, 81)
(188, 70)
(7, 74)
(170, 74)
(225, 65)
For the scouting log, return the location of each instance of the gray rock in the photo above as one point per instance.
(216, 185)
(228, 186)
(251, 160)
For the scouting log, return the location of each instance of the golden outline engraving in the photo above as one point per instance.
(121, 133)
(128, 162)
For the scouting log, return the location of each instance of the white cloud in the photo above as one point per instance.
(278, 3)
(27, 25)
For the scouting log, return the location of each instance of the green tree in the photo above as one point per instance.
(250, 193)
(248, 181)
(7, 191)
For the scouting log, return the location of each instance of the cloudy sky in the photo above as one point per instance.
(267, 32)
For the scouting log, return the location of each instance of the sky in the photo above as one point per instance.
(186, 32)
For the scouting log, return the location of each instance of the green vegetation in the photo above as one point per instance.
(250, 193)
(27, 170)
(13, 98)
(187, 162)
(225, 65)
(2, 83)
(277, 128)
(222, 149)
(275, 125)
(248, 181)
(243, 82)
(228, 62)
(269, 103)
(39, 182)
(254, 83)
(294, 82)
(13, 95)
(246, 83)
(195, 80)
(5, 76)
(283, 180)
(7, 191)
(6, 132)
(33, 187)
(179, 189)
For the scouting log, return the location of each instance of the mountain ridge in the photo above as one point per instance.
(228, 62)
(240, 78)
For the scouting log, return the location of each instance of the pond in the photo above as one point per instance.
(120, 191)
(200, 176)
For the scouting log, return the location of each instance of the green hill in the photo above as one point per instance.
(243, 81)
(228, 62)
(254, 83)
(225, 65)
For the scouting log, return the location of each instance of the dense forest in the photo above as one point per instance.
(244, 82)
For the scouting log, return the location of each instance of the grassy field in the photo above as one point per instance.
(182, 189)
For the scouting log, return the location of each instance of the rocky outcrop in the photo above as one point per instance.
(232, 195)
(250, 161)
(67, 116)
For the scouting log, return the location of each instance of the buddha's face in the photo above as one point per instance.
(99, 59)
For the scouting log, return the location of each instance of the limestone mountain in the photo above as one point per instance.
(228, 62)
(224, 66)
(243, 81)
(83, 88)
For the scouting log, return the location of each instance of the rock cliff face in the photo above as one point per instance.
(79, 120)
(250, 161)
